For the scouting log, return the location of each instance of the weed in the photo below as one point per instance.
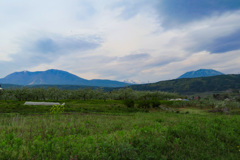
(57, 109)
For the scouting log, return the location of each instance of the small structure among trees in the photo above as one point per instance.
(42, 103)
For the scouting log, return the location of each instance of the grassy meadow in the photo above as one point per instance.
(98, 129)
(123, 124)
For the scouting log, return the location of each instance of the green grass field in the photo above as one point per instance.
(96, 129)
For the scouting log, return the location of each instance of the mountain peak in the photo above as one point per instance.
(200, 73)
(55, 77)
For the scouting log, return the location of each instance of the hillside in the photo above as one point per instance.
(193, 85)
(55, 77)
(200, 73)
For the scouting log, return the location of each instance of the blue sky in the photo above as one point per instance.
(139, 40)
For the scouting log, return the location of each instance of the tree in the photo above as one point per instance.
(54, 93)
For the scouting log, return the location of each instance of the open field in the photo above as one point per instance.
(98, 129)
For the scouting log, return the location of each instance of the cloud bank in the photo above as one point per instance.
(145, 41)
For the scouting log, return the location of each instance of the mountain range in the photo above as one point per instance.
(55, 77)
(65, 80)
(200, 73)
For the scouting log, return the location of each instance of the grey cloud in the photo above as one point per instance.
(85, 10)
(138, 68)
(7, 68)
(174, 13)
(46, 45)
(101, 62)
(94, 61)
(59, 44)
(177, 12)
(225, 44)
(46, 49)
(132, 57)
(161, 61)
(113, 66)
(121, 68)
(133, 8)
(221, 44)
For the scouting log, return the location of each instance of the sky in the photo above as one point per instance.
(125, 40)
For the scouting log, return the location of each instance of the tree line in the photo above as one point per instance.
(53, 93)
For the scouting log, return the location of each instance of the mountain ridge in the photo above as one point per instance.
(56, 77)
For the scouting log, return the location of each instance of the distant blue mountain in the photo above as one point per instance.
(200, 73)
(55, 77)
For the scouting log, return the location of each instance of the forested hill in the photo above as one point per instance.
(192, 85)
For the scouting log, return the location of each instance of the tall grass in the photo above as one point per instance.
(158, 135)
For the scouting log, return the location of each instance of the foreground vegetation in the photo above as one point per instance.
(154, 135)
(123, 124)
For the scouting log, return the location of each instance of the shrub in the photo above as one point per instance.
(129, 103)
(166, 102)
(155, 103)
(144, 104)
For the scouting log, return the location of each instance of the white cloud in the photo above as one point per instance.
(133, 46)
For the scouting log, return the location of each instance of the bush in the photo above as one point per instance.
(166, 102)
(238, 99)
(129, 103)
(155, 103)
(144, 104)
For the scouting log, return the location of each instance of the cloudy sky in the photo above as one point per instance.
(140, 40)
